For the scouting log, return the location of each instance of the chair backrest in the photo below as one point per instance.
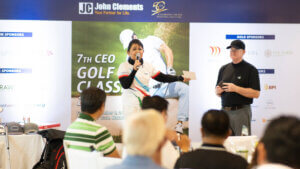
(104, 162)
(78, 159)
(65, 143)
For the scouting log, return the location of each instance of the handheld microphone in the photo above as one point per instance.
(138, 55)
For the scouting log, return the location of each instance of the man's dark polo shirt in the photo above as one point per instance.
(242, 74)
(211, 157)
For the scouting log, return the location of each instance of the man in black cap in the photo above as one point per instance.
(237, 85)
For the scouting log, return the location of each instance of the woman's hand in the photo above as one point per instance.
(186, 79)
(136, 65)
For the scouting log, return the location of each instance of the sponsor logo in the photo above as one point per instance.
(159, 7)
(49, 53)
(265, 120)
(266, 71)
(6, 87)
(160, 11)
(252, 53)
(18, 51)
(271, 53)
(215, 50)
(269, 87)
(90, 8)
(269, 104)
(15, 34)
(251, 37)
(86, 8)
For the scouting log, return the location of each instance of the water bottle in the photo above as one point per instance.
(26, 118)
(245, 131)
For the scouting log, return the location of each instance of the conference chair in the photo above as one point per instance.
(78, 159)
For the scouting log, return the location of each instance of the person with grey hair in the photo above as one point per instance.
(143, 137)
(170, 151)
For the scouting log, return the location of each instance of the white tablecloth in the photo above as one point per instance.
(235, 143)
(25, 151)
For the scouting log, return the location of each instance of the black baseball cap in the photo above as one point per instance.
(238, 44)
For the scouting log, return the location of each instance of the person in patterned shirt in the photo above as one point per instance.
(84, 133)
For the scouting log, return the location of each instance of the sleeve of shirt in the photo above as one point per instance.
(123, 70)
(167, 78)
(254, 79)
(126, 76)
(220, 75)
(157, 75)
(104, 142)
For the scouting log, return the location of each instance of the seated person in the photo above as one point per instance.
(84, 133)
(279, 147)
(143, 138)
(169, 153)
(135, 75)
(212, 154)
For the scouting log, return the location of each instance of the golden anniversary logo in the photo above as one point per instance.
(159, 7)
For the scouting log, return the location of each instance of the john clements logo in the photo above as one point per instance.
(86, 8)
(159, 7)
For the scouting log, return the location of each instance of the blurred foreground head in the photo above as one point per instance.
(281, 142)
(144, 132)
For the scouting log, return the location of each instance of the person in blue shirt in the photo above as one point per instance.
(143, 138)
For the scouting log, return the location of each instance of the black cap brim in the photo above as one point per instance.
(237, 44)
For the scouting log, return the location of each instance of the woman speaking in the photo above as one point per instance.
(134, 76)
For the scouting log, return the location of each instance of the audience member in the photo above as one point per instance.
(279, 147)
(84, 133)
(143, 138)
(212, 154)
(169, 153)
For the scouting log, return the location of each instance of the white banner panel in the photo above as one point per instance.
(35, 71)
(272, 48)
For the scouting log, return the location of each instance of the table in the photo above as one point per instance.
(25, 151)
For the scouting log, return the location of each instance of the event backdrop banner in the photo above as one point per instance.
(40, 58)
(235, 11)
(97, 52)
(35, 71)
(271, 48)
